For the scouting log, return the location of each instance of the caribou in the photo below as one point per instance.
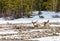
(47, 24)
(36, 24)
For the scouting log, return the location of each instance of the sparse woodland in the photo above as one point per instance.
(21, 8)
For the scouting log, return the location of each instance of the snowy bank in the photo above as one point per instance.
(47, 16)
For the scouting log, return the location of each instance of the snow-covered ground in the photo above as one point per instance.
(47, 16)
(8, 32)
(53, 38)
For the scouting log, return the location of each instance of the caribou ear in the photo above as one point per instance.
(32, 21)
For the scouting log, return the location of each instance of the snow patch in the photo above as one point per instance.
(53, 38)
(47, 16)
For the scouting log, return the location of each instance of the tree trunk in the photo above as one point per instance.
(54, 5)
